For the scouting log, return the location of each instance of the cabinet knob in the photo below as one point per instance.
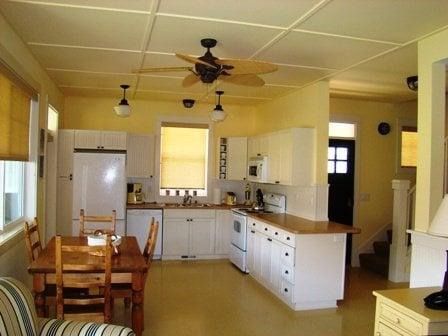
(286, 290)
(286, 254)
(71, 177)
(277, 182)
(288, 238)
(252, 231)
(265, 229)
(253, 224)
(397, 320)
(286, 272)
(276, 233)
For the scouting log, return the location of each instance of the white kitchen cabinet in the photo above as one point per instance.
(266, 247)
(258, 145)
(66, 145)
(274, 157)
(140, 155)
(176, 237)
(89, 139)
(202, 236)
(232, 158)
(257, 255)
(276, 267)
(251, 250)
(188, 234)
(224, 222)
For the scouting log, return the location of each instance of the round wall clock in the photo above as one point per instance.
(383, 128)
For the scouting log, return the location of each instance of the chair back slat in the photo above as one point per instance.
(32, 240)
(151, 242)
(84, 220)
(70, 274)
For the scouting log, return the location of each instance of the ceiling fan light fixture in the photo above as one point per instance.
(218, 114)
(123, 109)
(412, 82)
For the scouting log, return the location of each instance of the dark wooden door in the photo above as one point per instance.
(341, 176)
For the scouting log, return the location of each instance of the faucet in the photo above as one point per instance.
(187, 199)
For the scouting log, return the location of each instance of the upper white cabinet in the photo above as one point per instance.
(232, 158)
(86, 139)
(140, 156)
(290, 155)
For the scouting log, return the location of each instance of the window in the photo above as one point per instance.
(184, 159)
(408, 155)
(12, 181)
(337, 160)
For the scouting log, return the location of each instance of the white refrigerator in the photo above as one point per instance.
(99, 186)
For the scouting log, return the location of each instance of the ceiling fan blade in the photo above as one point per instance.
(242, 67)
(190, 80)
(194, 60)
(247, 79)
(162, 69)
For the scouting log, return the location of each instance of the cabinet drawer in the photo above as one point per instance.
(287, 290)
(288, 238)
(399, 320)
(287, 255)
(384, 330)
(192, 213)
(287, 273)
(267, 230)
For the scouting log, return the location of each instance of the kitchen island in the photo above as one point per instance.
(300, 261)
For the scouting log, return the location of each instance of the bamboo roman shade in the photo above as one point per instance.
(14, 121)
(184, 150)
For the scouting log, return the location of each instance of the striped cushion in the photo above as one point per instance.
(17, 313)
(74, 328)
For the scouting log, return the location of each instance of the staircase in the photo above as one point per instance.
(378, 261)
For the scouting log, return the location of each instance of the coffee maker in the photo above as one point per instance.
(135, 194)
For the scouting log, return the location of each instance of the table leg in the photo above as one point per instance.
(39, 293)
(137, 303)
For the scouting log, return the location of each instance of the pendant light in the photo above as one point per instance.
(123, 109)
(218, 114)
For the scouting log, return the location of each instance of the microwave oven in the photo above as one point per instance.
(257, 170)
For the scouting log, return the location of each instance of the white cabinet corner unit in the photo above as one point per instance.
(232, 158)
(306, 271)
(107, 140)
(140, 155)
(290, 153)
(196, 234)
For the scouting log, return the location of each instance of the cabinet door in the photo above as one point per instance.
(224, 222)
(266, 247)
(250, 250)
(274, 149)
(113, 140)
(87, 139)
(275, 276)
(252, 147)
(66, 145)
(286, 158)
(64, 206)
(236, 158)
(140, 156)
(257, 255)
(175, 237)
(202, 236)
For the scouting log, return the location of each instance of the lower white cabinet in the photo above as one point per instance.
(306, 271)
(188, 234)
(224, 221)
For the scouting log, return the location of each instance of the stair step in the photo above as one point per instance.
(381, 248)
(389, 236)
(374, 263)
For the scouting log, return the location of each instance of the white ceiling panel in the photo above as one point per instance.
(136, 5)
(86, 59)
(92, 92)
(268, 12)
(286, 75)
(160, 60)
(170, 96)
(184, 35)
(321, 51)
(161, 83)
(76, 26)
(265, 91)
(81, 79)
(395, 21)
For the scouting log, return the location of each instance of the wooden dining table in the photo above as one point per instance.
(128, 267)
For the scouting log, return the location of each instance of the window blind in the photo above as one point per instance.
(15, 106)
(183, 156)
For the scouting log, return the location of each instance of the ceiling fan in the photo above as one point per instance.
(209, 68)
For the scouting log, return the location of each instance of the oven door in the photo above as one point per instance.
(239, 234)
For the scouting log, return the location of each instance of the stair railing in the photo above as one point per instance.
(403, 216)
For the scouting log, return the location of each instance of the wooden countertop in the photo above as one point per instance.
(171, 206)
(298, 225)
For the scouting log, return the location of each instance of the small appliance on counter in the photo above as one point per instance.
(247, 194)
(230, 198)
(135, 194)
(259, 205)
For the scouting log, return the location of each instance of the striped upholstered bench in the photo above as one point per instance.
(18, 317)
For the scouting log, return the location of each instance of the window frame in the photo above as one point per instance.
(403, 124)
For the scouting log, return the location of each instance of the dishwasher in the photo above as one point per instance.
(138, 222)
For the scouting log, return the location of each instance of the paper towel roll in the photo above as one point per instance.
(217, 196)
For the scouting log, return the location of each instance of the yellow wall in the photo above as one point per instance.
(308, 107)
(377, 158)
(432, 56)
(97, 113)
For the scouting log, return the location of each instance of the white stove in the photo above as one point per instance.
(274, 203)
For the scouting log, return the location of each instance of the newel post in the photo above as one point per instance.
(398, 248)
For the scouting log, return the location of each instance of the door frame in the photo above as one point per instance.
(356, 121)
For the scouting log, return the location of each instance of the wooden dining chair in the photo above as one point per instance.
(83, 220)
(73, 270)
(32, 239)
(124, 291)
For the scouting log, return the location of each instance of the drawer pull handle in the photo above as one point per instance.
(270, 239)
(252, 231)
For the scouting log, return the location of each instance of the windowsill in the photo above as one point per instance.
(10, 238)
